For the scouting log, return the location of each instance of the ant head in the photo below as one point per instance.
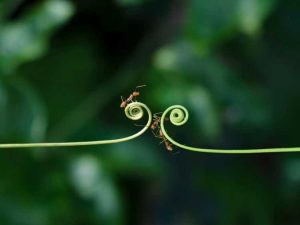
(123, 104)
(135, 93)
(169, 148)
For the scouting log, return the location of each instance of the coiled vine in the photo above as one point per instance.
(178, 115)
(133, 111)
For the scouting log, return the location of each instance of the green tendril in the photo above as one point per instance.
(179, 116)
(133, 111)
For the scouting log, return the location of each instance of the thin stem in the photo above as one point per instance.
(179, 116)
(133, 111)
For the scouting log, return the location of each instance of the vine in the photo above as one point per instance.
(133, 111)
(179, 116)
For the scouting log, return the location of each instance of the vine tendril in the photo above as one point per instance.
(133, 111)
(179, 116)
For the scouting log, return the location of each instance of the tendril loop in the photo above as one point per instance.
(178, 115)
(134, 111)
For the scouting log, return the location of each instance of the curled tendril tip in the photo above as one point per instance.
(179, 116)
(133, 111)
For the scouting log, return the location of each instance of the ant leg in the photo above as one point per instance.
(163, 141)
(156, 114)
(175, 153)
(139, 125)
(155, 134)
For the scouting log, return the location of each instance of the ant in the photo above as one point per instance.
(131, 97)
(156, 121)
(168, 145)
(154, 126)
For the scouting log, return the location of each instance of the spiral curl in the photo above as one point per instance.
(179, 116)
(133, 111)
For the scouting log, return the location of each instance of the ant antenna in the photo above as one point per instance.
(175, 153)
(144, 85)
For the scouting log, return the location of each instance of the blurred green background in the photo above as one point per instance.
(233, 63)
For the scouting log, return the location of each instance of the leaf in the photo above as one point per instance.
(7, 7)
(93, 183)
(205, 112)
(130, 2)
(22, 115)
(211, 22)
(252, 13)
(134, 158)
(27, 39)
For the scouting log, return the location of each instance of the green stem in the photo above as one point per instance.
(179, 116)
(133, 111)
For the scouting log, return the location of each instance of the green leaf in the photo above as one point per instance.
(130, 2)
(252, 13)
(134, 158)
(22, 115)
(93, 183)
(7, 7)
(211, 22)
(27, 39)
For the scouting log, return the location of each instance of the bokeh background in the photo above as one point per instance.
(233, 63)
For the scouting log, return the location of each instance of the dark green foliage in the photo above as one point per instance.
(233, 64)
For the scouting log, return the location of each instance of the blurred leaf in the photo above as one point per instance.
(291, 177)
(22, 114)
(13, 213)
(216, 94)
(7, 7)
(1, 13)
(252, 13)
(130, 2)
(70, 63)
(93, 183)
(210, 22)
(233, 188)
(204, 109)
(134, 159)
(27, 39)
